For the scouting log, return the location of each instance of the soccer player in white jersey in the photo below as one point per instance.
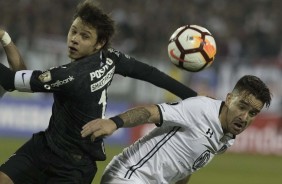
(189, 134)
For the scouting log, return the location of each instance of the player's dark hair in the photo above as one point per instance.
(92, 15)
(253, 85)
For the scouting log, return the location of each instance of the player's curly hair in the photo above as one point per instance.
(255, 86)
(92, 15)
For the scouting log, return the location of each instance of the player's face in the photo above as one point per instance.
(241, 110)
(82, 40)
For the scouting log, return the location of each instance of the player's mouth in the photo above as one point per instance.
(238, 126)
(72, 49)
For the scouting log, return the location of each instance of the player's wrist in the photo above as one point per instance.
(118, 121)
(6, 39)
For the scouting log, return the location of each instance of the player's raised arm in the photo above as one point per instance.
(13, 55)
(130, 67)
(131, 118)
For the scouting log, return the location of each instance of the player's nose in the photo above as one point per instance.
(244, 116)
(74, 38)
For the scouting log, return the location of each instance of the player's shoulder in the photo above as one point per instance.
(113, 53)
(201, 101)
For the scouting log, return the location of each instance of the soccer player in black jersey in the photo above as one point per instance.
(60, 154)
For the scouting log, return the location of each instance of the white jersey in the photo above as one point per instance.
(188, 138)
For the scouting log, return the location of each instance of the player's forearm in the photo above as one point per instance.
(13, 55)
(153, 75)
(140, 115)
(130, 118)
(14, 58)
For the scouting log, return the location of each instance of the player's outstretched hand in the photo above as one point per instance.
(98, 127)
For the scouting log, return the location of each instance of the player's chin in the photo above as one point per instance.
(237, 131)
(73, 56)
(234, 130)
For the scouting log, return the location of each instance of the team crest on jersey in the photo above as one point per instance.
(45, 77)
(202, 160)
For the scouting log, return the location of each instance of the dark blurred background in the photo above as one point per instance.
(248, 29)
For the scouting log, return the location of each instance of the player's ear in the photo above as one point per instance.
(228, 98)
(99, 45)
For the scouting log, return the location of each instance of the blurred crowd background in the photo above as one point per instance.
(250, 29)
(247, 33)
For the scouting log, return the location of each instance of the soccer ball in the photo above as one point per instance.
(192, 48)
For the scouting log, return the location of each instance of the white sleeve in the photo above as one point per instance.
(22, 80)
(183, 113)
(173, 114)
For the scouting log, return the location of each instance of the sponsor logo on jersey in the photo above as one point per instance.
(100, 73)
(57, 67)
(103, 81)
(209, 133)
(45, 77)
(62, 82)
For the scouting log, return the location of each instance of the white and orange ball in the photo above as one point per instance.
(192, 48)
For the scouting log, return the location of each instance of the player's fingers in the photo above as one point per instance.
(87, 130)
(96, 134)
(89, 124)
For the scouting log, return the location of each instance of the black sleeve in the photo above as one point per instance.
(7, 77)
(130, 67)
(2, 91)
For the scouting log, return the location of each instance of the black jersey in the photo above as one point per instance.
(80, 95)
(2, 91)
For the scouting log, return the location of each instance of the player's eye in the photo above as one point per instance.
(253, 113)
(85, 36)
(73, 32)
